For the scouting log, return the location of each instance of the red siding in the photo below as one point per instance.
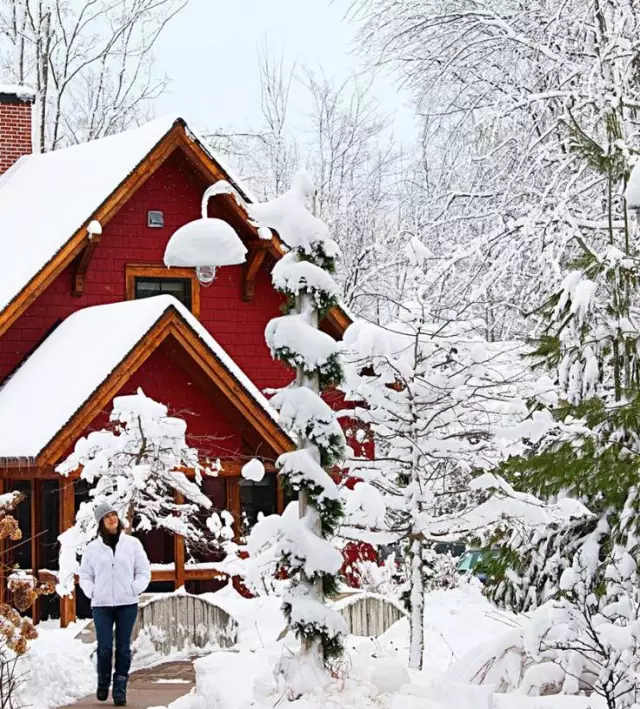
(209, 426)
(176, 190)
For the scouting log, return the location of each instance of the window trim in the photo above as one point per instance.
(146, 270)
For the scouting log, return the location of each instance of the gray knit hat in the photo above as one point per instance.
(102, 509)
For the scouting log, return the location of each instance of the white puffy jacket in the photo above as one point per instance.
(114, 578)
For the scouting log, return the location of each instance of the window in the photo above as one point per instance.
(256, 497)
(145, 280)
(179, 288)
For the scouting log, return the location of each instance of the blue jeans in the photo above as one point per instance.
(104, 618)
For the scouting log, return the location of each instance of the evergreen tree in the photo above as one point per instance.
(304, 276)
(587, 339)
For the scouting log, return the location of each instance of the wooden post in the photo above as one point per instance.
(279, 495)
(178, 551)
(35, 491)
(67, 516)
(3, 555)
(233, 503)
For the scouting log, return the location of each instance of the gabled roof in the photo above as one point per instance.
(45, 199)
(47, 202)
(78, 369)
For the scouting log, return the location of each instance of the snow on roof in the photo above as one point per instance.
(22, 92)
(75, 359)
(45, 199)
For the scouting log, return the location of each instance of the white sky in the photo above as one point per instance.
(210, 52)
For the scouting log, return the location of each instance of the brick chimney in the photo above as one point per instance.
(16, 104)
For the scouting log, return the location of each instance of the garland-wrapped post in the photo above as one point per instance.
(304, 276)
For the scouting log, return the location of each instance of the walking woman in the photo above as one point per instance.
(114, 572)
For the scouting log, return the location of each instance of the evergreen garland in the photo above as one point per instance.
(303, 277)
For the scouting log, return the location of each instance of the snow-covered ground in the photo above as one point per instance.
(458, 624)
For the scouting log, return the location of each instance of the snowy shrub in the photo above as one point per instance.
(592, 637)
(441, 571)
(16, 631)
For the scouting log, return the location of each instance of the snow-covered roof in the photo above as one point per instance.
(45, 199)
(22, 92)
(76, 358)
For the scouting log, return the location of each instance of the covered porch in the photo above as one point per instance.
(50, 505)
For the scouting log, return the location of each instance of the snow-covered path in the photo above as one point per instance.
(154, 687)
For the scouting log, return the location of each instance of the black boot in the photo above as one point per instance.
(104, 675)
(119, 690)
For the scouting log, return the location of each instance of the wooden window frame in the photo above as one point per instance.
(145, 270)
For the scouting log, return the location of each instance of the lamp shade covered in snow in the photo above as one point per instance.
(205, 244)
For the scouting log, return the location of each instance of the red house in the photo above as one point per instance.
(77, 327)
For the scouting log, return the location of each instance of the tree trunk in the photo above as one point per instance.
(416, 629)
(304, 306)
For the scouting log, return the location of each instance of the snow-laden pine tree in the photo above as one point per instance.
(588, 338)
(138, 464)
(434, 395)
(304, 276)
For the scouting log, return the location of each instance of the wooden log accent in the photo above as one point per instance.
(67, 516)
(367, 615)
(233, 503)
(179, 621)
(252, 266)
(179, 550)
(83, 264)
(3, 555)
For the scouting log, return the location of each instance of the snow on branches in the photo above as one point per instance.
(137, 465)
(439, 402)
(302, 545)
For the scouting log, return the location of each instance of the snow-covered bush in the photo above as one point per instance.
(138, 465)
(16, 631)
(441, 571)
(592, 636)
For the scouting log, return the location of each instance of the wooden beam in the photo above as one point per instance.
(36, 489)
(28, 473)
(3, 556)
(67, 516)
(168, 575)
(233, 503)
(279, 496)
(83, 265)
(337, 321)
(178, 551)
(251, 268)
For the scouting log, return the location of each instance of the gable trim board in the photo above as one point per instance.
(112, 352)
(174, 136)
